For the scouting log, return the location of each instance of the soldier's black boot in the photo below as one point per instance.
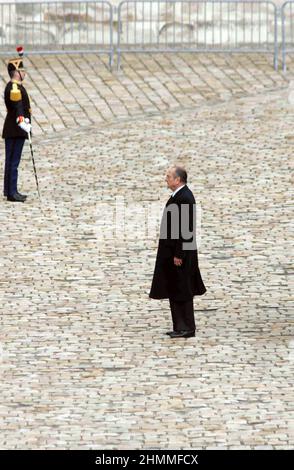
(16, 198)
(21, 195)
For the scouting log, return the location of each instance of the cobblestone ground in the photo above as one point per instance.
(84, 360)
(71, 90)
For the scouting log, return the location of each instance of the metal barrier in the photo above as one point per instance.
(197, 26)
(287, 14)
(145, 26)
(51, 27)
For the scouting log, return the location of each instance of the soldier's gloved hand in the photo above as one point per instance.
(25, 126)
(28, 122)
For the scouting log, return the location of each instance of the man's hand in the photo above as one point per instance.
(178, 261)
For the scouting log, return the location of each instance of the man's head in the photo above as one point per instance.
(18, 75)
(176, 176)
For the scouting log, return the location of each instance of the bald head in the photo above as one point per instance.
(176, 176)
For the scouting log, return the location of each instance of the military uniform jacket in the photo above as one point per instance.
(17, 104)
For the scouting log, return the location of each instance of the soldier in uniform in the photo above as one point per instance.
(17, 125)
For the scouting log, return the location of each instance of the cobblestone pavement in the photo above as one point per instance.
(84, 360)
(146, 84)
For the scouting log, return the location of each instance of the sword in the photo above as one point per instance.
(33, 160)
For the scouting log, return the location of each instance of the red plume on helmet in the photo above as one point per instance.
(19, 49)
(16, 63)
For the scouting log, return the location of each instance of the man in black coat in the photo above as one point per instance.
(16, 126)
(177, 275)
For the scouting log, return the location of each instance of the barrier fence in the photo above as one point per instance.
(57, 27)
(197, 26)
(287, 16)
(53, 27)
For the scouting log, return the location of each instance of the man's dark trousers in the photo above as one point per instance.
(13, 150)
(182, 315)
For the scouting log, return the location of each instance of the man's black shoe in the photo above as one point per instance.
(182, 334)
(16, 198)
(169, 332)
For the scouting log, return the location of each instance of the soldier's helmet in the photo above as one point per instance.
(16, 63)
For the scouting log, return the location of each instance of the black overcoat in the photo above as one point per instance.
(179, 283)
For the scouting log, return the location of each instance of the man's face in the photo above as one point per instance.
(171, 179)
(19, 75)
